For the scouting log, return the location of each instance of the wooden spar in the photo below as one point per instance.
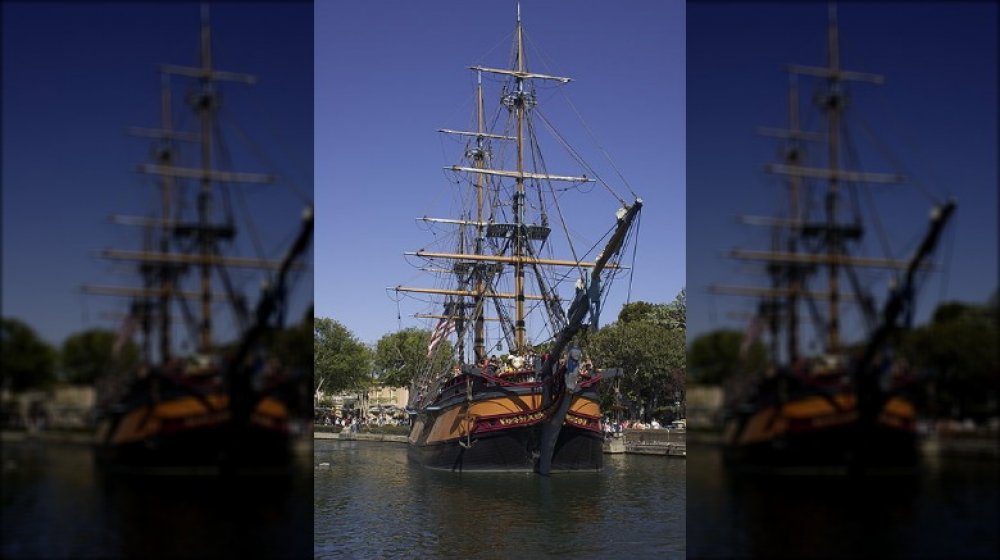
(205, 72)
(209, 260)
(520, 174)
(773, 292)
(438, 316)
(833, 175)
(144, 292)
(509, 259)
(835, 73)
(467, 293)
(205, 174)
(476, 134)
(791, 134)
(520, 74)
(771, 221)
(453, 221)
(839, 259)
(164, 133)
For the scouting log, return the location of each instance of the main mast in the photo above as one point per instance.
(833, 104)
(206, 239)
(519, 234)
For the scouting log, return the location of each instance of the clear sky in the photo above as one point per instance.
(390, 73)
(935, 120)
(75, 77)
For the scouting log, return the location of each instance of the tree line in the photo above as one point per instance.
(29, 363)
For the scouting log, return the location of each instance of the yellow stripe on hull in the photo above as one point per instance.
(771, 422)
(146, 421)
(460, 420)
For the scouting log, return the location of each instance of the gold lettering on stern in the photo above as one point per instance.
(521, 419)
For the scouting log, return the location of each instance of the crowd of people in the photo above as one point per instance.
(612, 427)
(354, 423)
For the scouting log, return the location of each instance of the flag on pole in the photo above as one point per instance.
(125, 333)
(752, 334)
(441, 332)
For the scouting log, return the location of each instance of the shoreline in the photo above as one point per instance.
(983, 446)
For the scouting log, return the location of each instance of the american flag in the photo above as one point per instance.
(441, 332)
(752, 334)
(124, 334)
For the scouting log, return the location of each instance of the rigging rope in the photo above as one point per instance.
(579, 159)
(635, 247)
(884, 150)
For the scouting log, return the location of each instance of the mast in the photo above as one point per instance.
(205, 107)
(166, 157)
(519, 237)
(793, 157)
(479, 336)
(833, 106)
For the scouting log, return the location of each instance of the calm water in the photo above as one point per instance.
(370, 503)
(56, 504)
(947, 510)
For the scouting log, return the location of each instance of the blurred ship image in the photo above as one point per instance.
(227, 407)
(848, 407)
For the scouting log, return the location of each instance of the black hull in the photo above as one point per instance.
(512, 450)
(836, 450)
(204, 451)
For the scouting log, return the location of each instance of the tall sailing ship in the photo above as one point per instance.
(850, 407)
(227, 408)
(534, 407)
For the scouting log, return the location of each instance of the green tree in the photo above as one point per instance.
(88, 355)
(293, 346)
(648, 343)
(714, 356)
(651, 357)
(958, 351)
(671, 315)
(342, 362)
(401, 356)
(28, 362)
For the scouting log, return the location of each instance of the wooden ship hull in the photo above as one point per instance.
(820, 429)
(499, 429)
(174, 429)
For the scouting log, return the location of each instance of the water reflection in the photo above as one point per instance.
(56, 503)
(947, 509)
(371, 503)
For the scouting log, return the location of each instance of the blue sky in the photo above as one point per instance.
(935, 117)
(75, 77)
(389, 74)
